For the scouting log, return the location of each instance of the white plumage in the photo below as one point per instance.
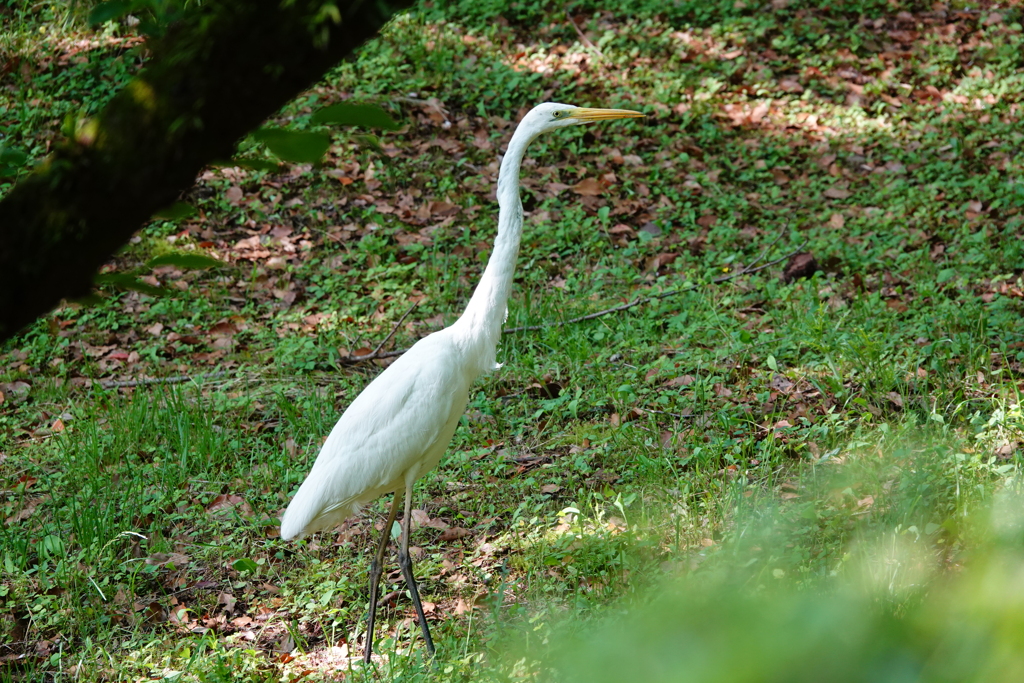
(398, 428)
(408, 415)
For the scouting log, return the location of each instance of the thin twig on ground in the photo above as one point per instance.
(583, 37)
(177, 379)
(376, 353)
(748, 270)
(663, 295)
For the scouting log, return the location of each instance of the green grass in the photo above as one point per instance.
(763, 436)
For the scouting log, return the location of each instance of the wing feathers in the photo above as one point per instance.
(402, 422)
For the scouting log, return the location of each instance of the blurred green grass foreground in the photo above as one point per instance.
(968, 628)
(926, 590)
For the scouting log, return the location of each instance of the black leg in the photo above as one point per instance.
(375, 571)
(405, 562)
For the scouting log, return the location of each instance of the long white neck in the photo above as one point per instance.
(479, 327)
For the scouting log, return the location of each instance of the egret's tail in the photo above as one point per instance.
(307, 514)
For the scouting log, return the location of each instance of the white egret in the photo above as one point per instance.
(398, 428)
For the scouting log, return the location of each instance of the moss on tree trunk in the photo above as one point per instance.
(211, 79)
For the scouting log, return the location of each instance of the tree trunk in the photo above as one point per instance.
(212, 78)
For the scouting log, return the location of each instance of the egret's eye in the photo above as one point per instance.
(559, 114)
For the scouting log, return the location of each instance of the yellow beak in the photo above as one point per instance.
(585, 114)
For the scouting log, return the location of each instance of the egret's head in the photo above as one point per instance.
(551, 115)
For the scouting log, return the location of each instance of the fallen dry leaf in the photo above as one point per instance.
(454, 533)
(588, 187)
(26, 512)
(420, 518)
(1006, 449)
(162, 559)
(152, 612)
(227, 600)
(225, 502)
(442, 209)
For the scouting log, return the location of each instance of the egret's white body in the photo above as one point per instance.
(398, 428)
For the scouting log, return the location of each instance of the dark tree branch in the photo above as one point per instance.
(216, 75)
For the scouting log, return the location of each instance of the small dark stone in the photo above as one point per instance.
(800, 265)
